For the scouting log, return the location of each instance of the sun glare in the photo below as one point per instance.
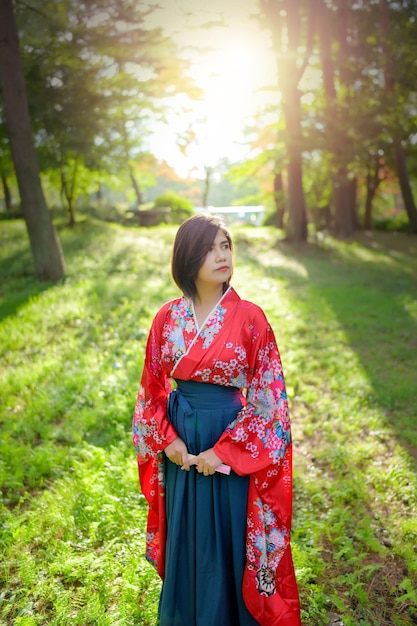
(239, 57)
(230, 65)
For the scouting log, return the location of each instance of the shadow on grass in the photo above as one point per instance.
(370, 309)
(82, 372)
(18, 280)
(334, 508)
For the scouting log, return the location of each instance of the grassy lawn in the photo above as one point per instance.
(72, 519)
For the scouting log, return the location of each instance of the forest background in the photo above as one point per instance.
(88, 212)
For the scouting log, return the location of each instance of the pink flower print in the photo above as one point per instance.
(260, 429)
(278, 538)
(285, 421)
(241, 353)
(219, 380)
(276, 365)
(252, 448)
(260, 544)
(240, 434)
(272, 472)
(268, 516)
(250, 553)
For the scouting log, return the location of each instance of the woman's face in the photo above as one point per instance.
(218, 264)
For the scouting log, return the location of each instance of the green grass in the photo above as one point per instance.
(72, 518)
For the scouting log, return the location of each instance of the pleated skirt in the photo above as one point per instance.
(206, 518)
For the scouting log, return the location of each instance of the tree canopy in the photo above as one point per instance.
(357, 116)
(95, 74)
(99, 74)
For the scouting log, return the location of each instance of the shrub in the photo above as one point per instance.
(181, 208)
(395, 222)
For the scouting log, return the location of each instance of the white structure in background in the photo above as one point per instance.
(244, 214)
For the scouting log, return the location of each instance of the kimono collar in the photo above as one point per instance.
(227, 296)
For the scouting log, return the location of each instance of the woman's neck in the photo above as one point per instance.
(204, 303)
(208, 297)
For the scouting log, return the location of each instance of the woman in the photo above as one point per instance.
(220, 542)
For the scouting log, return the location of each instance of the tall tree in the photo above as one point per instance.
(398, 147)
(96, 73)
(285, 19)
(375, 173)
(46, 249)
(337, 138)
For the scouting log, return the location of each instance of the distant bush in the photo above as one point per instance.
(181, 208)
(397, 222)
(270, 217)
(105, 212)
(14, 214)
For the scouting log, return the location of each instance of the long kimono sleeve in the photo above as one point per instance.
(152, 431)
(258, 443)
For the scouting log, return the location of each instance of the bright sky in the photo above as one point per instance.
(230, 64)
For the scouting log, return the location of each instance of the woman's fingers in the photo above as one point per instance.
(177, 452)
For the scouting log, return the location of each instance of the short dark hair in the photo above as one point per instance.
(193, 240)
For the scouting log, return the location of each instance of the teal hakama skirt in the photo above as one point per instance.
(206, 518)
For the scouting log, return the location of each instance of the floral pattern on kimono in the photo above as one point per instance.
(235, 347)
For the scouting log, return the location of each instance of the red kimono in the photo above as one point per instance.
(235, 347)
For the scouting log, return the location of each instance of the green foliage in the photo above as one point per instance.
(11, 215)
(94, 73)
(181, 208)
(72, 520)
(397, 221)
(270, 217)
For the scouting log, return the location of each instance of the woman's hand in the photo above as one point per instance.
(206, 462)
(177, 453)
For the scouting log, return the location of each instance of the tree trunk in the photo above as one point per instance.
(344, 204)
(373, 180)
(279, 200)
(46, 250)
(7, 194)
(403, 177)
(399, 153)
(352, 193)
(370, 194)
(341, 205)
(99, 193)
(135, 184)
(67, 196)
(297, 214)
(342, 187)
(207, 182)
(289, 75)
(296, 229)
